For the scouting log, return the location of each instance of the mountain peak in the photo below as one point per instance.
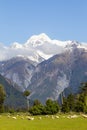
(38, 39)
(16, 45)
(41, 36)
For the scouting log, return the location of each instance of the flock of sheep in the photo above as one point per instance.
(28, 117)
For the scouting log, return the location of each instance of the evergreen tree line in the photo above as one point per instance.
(71, 103)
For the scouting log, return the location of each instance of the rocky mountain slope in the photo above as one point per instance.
(53, 76)
(19, 60)
(18, 70)
(13, 98)
(45, 67)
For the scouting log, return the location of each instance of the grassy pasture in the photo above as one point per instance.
(42, 123)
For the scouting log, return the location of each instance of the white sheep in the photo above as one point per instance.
(47, 116)
(52, 117)
(57, 117)
(14, 117)
(85, 116)
(8, 116)
(22, 117)
(40, 118)
(30, 118)
(74, 116)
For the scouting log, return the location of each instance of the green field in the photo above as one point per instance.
(42, 122)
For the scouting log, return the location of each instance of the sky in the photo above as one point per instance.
(59, 19)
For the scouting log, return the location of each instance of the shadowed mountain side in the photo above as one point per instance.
(62, 72)
(18, 70)
(14, 98)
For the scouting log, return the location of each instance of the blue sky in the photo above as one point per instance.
(59, 19)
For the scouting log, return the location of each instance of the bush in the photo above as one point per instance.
(65, 106)
(79, 107)
(51, 107)
(37, 110)
(11, 111)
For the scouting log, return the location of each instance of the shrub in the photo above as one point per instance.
(51, 107)
(37, 109)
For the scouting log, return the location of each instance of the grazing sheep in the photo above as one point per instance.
(52, 117)
(68, 117)
(40, 118)
(47, 116)
(8, 116)
(74, 116)
(14, 117)
(57, 117)
(22, 117)
(17, 115)
(85, 116)
(30, 118)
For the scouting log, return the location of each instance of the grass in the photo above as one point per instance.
(45, 123)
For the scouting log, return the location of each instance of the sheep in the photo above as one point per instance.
(30, 118)
(14, 117)
(68, 117)
(40, 118)
(22, 117)
(85, 116)
(47, 115)
(57, 117)
(72, 116)
(52, 117)
(8, 116)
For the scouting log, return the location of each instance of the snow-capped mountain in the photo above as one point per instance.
(44, 66)
(37, 48)
(13, 97)
(62, 73)
(18, 70)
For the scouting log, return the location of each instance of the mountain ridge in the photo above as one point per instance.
(37, 46)
(45, 67)
(62, 71)
(13, 97)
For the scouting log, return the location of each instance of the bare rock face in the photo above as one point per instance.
(14, 98)
(53, 76)
(46, 67)
(18, 70)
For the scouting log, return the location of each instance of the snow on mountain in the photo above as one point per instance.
(23, 64)
(62, 83)
(16, 45)
(18, 70)
(45, 56)
(37, 40)
(38, 48)
(61, 73)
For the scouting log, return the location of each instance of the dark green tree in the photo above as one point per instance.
(71, 102)
(65, 106)
(79, 106)
(37, 102)
(51, 107)
(84, 92)
(26, 94)
(84, 88)
(2, 97)
(83, 95)
(37, 109)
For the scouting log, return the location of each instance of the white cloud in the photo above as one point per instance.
(40, 45)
